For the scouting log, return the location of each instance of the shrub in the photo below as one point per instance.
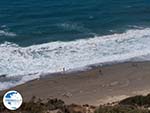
(119, 109)
(137, 101)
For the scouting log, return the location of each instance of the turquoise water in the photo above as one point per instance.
(45, 36)
(42, 21)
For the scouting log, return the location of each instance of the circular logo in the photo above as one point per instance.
(12, 100)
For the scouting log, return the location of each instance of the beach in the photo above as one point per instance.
(99, 85)
(75, 56)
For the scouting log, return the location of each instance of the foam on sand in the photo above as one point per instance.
(13, 82)
(54, 56)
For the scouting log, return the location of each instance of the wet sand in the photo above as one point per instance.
(99, 85)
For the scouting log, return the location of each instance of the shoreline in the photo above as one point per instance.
(99, 85)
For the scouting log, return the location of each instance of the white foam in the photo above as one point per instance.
(4, 85)
(6, 33)
(69, 26)
(54, 56)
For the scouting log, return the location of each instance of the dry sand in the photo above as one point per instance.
(99, 85)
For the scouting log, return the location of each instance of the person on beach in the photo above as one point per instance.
(63, 70)
(100, 72)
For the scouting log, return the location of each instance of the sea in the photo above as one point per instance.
(38, 37)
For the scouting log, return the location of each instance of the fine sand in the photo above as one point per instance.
(97, 86)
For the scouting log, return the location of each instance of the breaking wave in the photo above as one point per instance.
(6, 33)
(54, 56)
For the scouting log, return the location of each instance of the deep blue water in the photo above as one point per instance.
(28, 22)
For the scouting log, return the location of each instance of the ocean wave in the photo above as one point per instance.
(6, 33)
(11, 83)
(70, 26)
(54, 56)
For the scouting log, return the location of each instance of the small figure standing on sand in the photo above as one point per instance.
(63, 70)
(135, 65)
(100, 72)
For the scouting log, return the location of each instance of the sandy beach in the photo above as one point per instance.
(99, 85)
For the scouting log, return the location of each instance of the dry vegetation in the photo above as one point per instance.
(137, 104)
